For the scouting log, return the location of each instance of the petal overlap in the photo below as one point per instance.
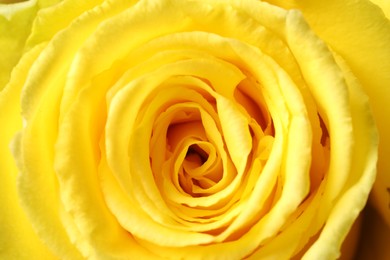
(150, 130)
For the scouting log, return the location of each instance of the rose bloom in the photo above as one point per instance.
(198, 129)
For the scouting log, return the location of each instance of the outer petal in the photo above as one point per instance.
(347, 193)
(15, 23)
(51, 20)
(360, 33)
(17, 238)
(31, 21)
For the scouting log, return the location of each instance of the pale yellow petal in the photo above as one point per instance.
(55, 17)
(15, 25)
(18, 239)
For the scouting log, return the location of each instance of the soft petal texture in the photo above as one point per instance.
(384, 5)
(15, 27)
(362, 127)
(18, 240)
(369, 59)
(15, 24)
(158, 132)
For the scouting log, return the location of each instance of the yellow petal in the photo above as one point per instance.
(133, 218)
(15, 24)
(55, 17)
(384, 5)
(350, 125)
(236, 133)
(360, 33)
(51, 67)
(37, 178)
(18, 239)
(16, 21)
(94, 230)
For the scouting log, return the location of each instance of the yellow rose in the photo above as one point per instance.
(194, 129)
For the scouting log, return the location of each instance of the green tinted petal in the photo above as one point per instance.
(15, 24)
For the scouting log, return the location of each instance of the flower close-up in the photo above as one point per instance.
(195, 129)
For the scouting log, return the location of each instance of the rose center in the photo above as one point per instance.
(195, 156)
(200, 168)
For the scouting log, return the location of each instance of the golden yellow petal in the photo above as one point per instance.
(384, 5)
